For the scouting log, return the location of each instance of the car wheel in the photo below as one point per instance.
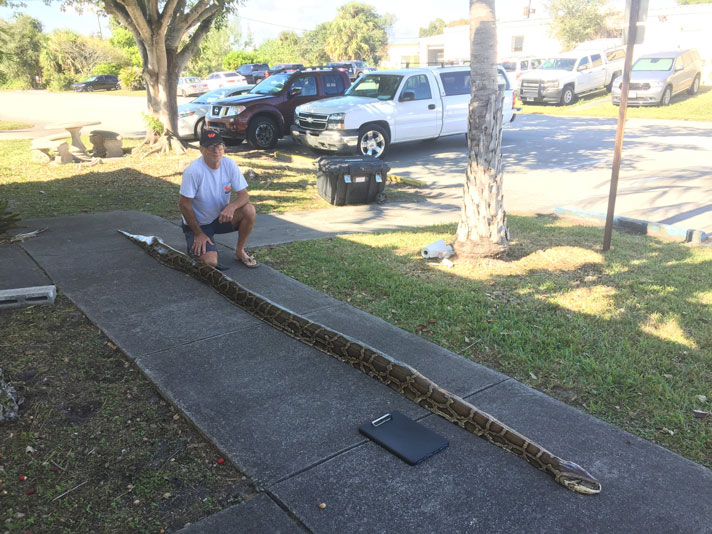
(90, 88)
(262, 133)
(695, 86)
(199, 127)
(667, 96)
(372, 141)
(568, 97)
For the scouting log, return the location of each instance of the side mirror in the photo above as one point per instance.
(678, 68)
(407, 96)
(295, 92)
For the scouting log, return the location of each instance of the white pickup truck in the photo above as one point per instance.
(561, 79)
(393, 106)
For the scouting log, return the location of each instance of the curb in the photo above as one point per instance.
(638, 226)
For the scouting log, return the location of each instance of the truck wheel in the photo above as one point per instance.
(695, 86)
(667, 96)
(262, 133)
(199, 127)
(568, 96)
(372, 141)
(609, 87)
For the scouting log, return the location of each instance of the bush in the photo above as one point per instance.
(131, 78)
(59, 81)
(236, 58)
(104, 67)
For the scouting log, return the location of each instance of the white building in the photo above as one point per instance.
(522, 33)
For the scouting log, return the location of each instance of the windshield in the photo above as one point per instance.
(93, 79)
(653, 64)
(559, 63)
(270, 86)
(380, 86)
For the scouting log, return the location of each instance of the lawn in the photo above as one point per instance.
(625, 336)
(151, 184)
(13, 125)
(683, 107)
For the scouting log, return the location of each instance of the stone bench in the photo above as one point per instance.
(52, 147)
(106, 144)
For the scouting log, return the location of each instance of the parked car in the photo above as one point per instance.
(264, 114)
(286, 67)
(562, 79)
(191, 116)
(191, 85)
(393, 106)
(102, 81)
(354, 68)
(516, 66)
(216, 80)
(656, 78)
(254, 72)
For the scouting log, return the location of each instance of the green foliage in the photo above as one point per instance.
(22, 43)
(358, 32)
(215, 47)
(283, 49)
(131, 78)
(575, 21)
(123, 40)
(104, 67)
(312, 47)
(8, 220)
(436, 27)
(153, 124)
(236, 58)
(59, 81)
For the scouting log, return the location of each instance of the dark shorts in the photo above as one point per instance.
(210, 230)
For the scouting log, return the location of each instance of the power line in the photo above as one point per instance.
(271, 24)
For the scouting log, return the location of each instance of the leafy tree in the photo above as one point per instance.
(122, 39)
(575, 21)
(168, 34)
(22, 44)
(482, 230)
(312, 47)
(235, 58)
(283, 49)
(436, 27)
(217, 44)
(358, 32)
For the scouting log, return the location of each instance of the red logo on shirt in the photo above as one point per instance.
(228, 188)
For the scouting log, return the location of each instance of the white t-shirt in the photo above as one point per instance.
(209, 188)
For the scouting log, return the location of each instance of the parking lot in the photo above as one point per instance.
(549, 161)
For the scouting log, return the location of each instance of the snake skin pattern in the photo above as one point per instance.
(397, 375)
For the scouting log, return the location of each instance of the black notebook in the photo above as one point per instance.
(404, 437)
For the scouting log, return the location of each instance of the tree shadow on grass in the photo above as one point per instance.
(626, 335)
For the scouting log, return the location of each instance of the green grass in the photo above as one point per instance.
(150, 184)
(14, 125)
(627, 336)
(683, 107)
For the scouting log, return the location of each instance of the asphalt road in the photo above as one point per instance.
(666, 174)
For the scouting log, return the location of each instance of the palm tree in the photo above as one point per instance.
(482, 231)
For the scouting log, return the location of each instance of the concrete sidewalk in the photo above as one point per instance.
(287, 415)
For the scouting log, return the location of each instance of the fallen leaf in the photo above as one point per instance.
(167, 495)
(701, 398)
(22, 478)
(322, 505)
(29, 449)
(221, 461)
(30, 491)
(669, 377)
(671, 432)
(532, 375)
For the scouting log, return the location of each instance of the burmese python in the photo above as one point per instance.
(396, 375)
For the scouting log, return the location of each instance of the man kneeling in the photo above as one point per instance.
(205, 202)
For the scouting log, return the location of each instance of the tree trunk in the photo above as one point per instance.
(482, 231)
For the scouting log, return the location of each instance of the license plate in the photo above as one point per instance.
(632, 94)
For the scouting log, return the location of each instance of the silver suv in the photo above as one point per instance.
(656, 78)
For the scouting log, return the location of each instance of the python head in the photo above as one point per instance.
(576, 478)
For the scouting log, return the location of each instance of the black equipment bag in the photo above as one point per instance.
(350, 179)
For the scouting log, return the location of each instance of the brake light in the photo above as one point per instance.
(514, 99)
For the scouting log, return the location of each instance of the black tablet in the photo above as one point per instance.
(404, 437)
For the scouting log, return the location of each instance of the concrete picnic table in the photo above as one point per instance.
(75, 129)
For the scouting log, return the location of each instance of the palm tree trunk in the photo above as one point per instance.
(482, 231)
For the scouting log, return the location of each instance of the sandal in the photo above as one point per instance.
(248, 261)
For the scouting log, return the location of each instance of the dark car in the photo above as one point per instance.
(354, 68)
(254, 72)
(265, 114)
(286, 67)
(102, 81)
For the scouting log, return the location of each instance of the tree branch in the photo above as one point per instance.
(193, 44)
(167, 15)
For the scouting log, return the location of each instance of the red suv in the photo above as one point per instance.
(265, 114)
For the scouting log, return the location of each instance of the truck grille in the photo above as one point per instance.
(312, 121)
(530, 87)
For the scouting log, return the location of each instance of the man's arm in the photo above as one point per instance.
(241, 198)
(185, 205)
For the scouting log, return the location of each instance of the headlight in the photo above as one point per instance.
(336, 121)
(658, 83)
(234, 110)
(551, 84)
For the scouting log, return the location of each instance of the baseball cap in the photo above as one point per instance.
(210, 137)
